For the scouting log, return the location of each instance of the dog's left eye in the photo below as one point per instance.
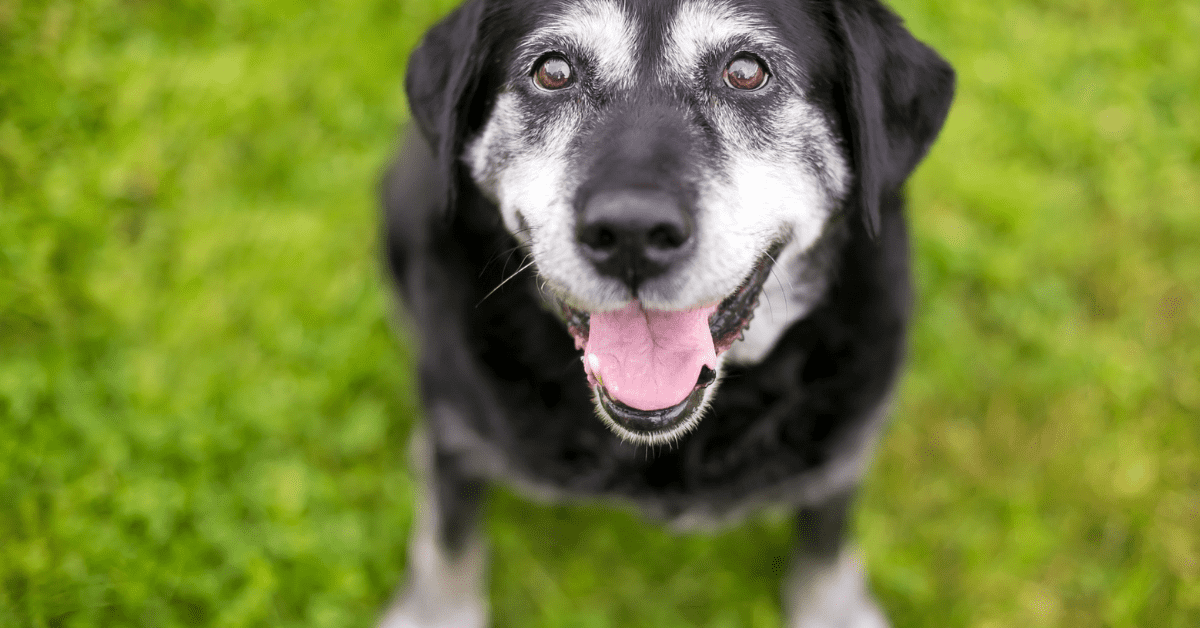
(553, 72)
(745, 72)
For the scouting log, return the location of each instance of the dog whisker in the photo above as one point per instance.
(506, 280)
(509, 252)
(791, 289)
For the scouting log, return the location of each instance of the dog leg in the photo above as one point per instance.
(826, 586)
(447, 559)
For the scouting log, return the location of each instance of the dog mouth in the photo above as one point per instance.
(650, 370)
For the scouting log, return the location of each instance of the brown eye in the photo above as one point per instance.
(553, 73)
(745, 72)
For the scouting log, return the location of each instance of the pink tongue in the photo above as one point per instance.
(649, 359)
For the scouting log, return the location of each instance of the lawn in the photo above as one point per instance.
(204, 410)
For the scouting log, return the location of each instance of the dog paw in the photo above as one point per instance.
(831, 595)
(411, 612)
(865, 616)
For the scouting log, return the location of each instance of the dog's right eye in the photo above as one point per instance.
(553, 72)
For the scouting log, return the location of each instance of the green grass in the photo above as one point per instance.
(203, 413)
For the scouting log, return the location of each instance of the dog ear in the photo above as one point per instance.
(442, 83)
(898, 94)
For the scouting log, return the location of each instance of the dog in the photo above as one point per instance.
(662, 172)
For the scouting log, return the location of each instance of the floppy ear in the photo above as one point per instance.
(898, 93)
(442, 82)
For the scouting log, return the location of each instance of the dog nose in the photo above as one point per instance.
(633, 235)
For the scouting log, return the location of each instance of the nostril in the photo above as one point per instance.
(665, 236)
(604, 239)
(598, 237)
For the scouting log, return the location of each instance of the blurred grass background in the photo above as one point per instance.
(203, 413)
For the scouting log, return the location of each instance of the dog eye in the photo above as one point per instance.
(553, 72)
(745, 72)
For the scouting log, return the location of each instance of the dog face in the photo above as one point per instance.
(659, 159)
(699, 122)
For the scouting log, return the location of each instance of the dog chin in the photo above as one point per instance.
(653, 372)
(653, 427)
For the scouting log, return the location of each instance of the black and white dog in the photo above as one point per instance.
(661, 172)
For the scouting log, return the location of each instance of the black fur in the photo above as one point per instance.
(507, 395)
(899, 93)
